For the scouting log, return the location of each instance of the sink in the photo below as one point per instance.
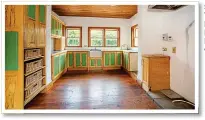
(95, 53)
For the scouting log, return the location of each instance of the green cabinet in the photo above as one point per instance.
(62, 61)
(56, 27)
(125, 60)
(42, 13)
(11, 50)
(112, 59)
(81, 59)
(69, 59)
(96, 62)
(31, 11)
(56, 65)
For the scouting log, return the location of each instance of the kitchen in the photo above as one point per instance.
(90, 48)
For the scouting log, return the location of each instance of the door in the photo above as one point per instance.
(106, 59)
(112, 59)
(70, 59)
(118, 58)
(84, 59)
(42, 14)
(99, 62)
(77, 59)
(92, 62)
(62, 62)
(56, 65)
(42, 36)
(145, 67)
(30, 34)
(31, 11)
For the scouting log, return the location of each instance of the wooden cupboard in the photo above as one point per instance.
(57, 27)
(58, 65)
(112, 60)
(81, 59)
(21, 40)
(95, 62)
(156, 72)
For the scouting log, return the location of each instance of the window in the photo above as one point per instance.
(74, 36)
(103, 37)
(134, 36)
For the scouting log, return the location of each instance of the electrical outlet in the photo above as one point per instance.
(164, 49)
(173, 49)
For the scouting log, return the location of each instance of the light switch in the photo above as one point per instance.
(173, 49)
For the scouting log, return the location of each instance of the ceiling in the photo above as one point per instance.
(103, 11)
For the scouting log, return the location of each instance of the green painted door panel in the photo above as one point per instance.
(42, 13)
(56, 65)
(52, 26)
(11, 50)
(126, 61)
(99, 62)
(119, 60)
(112, 58)
(84, 59)
(54, 29)
(77, 59)
(107, 59)
(92, 62)
(32, 11)
(62, 62)
(70, 60)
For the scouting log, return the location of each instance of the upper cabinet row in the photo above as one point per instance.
(57, 27)
(35, 26)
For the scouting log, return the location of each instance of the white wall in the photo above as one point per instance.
(151, 27)
(48, 45)
(86, 22)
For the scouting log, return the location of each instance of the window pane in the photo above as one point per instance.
(73, 33)
(96, 42)
(136, 41)
(96, 33)
(136, 32)
(96, 37)
(111, 34)
(111, 42)
(73, 41)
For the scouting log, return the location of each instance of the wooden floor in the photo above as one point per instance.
(95, 90)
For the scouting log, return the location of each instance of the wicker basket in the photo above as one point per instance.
(32, 66)
(33, 89)
(32, 53)
(32, 78)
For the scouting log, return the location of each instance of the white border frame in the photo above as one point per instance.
(196, 110)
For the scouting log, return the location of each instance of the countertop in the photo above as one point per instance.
(87, 50)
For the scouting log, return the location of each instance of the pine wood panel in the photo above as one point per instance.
(104, 11)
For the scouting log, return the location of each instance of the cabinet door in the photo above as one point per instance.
(84, 59)
(62, 62)
(70, 59)
(92, 62)
(112, 59)
(77, 60)
(56, 65)
(30, 34)
(126, 61)
(99, 62)
(119, 58)
(52, 25)
(42, 14)
(31, 11)
(42, 36)
(107, 59)
(145, 67)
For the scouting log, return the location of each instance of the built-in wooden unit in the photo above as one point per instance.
(130, 61)
(25, 41)
(58, 65)
(112, 60)
(95, 63)
(57, 27)
(156, 72)
(104, 11)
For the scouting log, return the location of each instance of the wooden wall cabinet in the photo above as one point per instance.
(35, 26)
(156, 72)
(57, 27)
